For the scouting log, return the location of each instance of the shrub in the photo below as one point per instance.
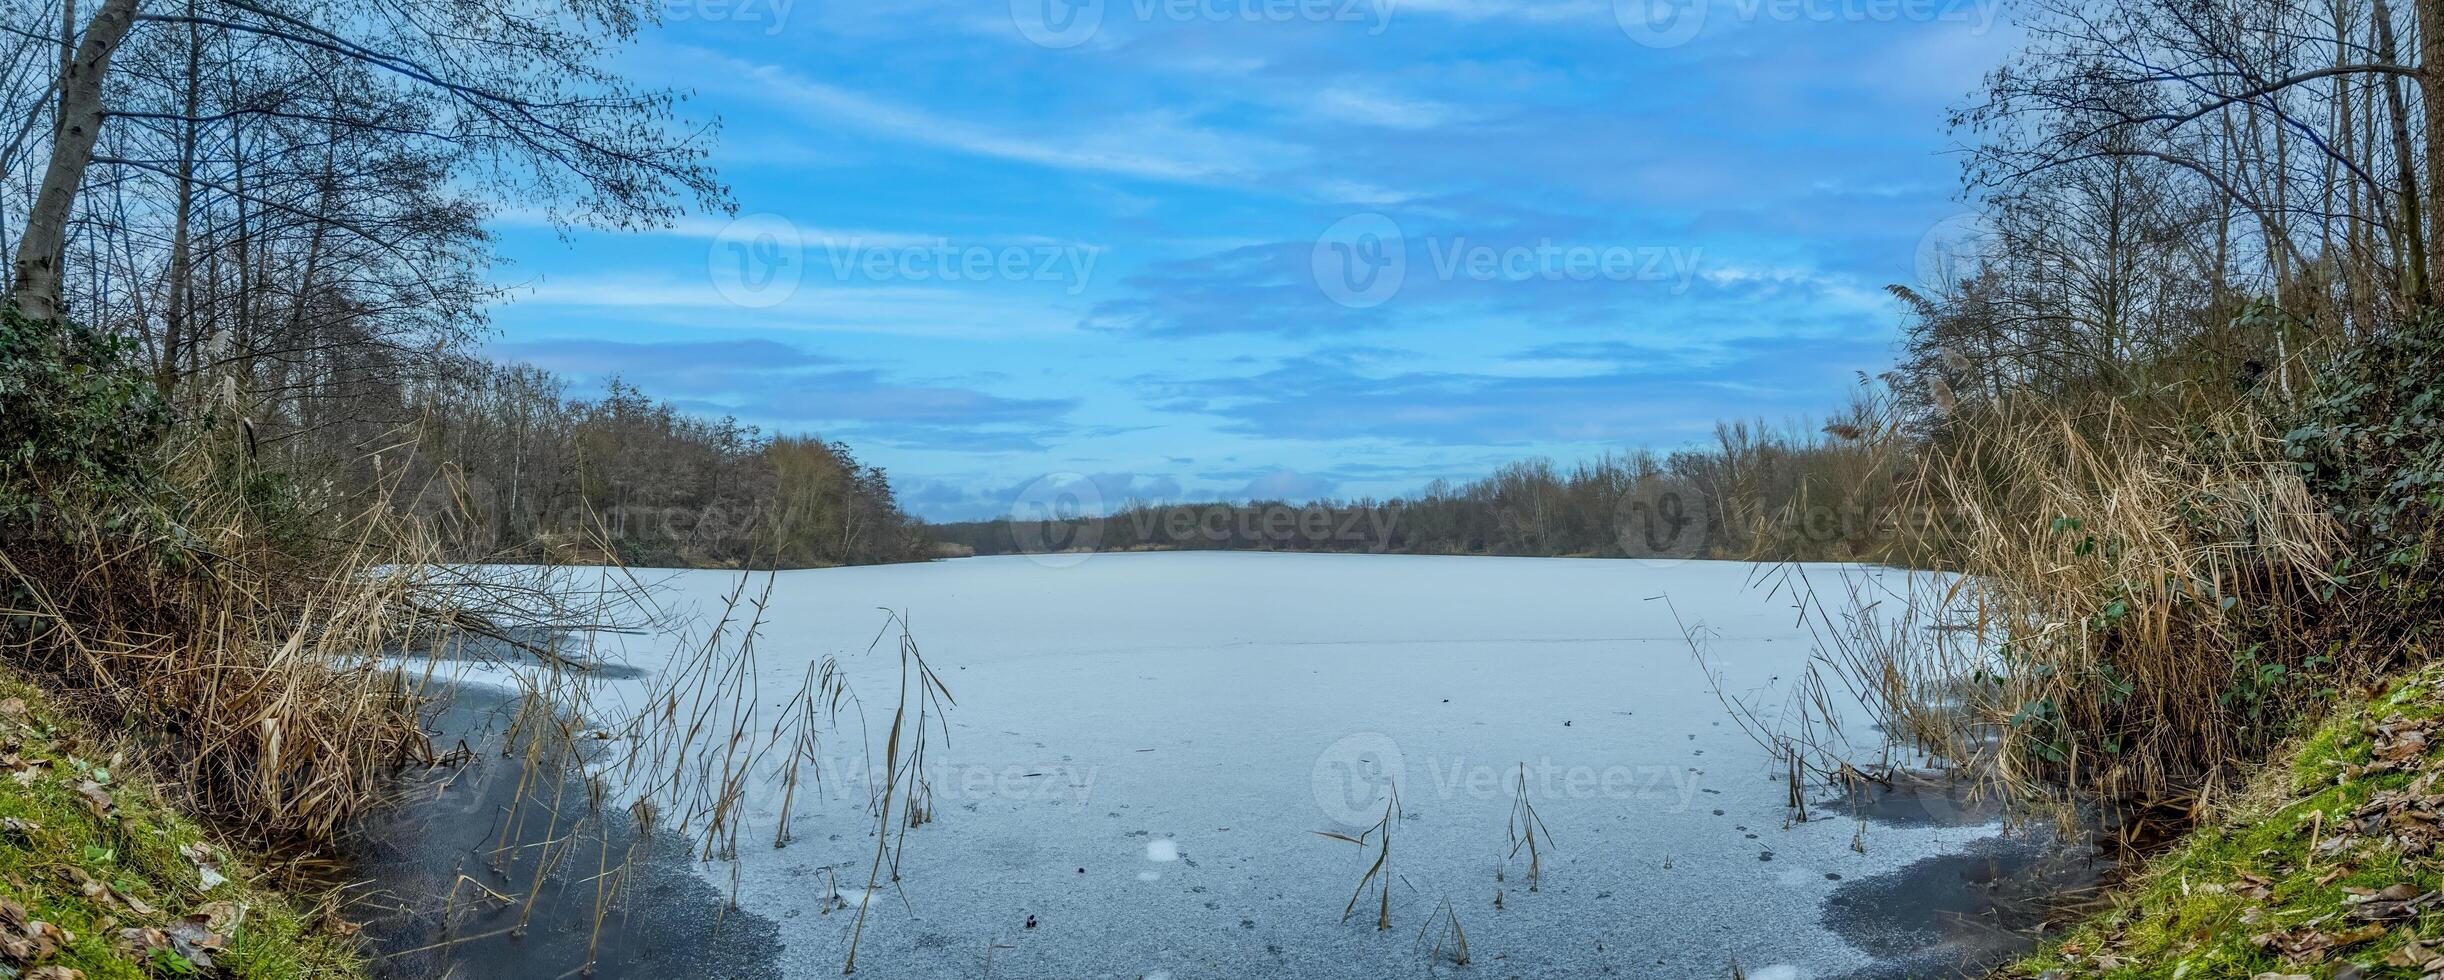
(173, 590)
(76, 418)
(2370, 440)
(2138, 608)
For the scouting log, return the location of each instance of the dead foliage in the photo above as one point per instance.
(2131, 612)
(239, 640)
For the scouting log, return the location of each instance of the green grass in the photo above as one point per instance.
(2195, 911)
(53, 842)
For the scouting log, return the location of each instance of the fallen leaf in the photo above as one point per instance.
(193, 940)
(96, 798)
(205, 867)
(26, 939)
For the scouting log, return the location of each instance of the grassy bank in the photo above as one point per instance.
(99, 878)
(2325, 867)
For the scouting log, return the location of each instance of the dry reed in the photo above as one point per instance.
(2133, 609)
(248, 662)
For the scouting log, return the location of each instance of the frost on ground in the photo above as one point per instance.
(1183, 763)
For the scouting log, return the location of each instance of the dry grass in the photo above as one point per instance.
(249, 658)
(923, 698)
(260, 658)
(1441, 939)
(2136, 608)
(1528, 833)
(1379, 872)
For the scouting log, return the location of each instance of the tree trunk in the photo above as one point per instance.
(175, 320)
(2431, 98)
(35, 285)
(2414, 233)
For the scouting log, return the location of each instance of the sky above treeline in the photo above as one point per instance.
(1273, 248)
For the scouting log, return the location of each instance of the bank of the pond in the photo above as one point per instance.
(2325, 867)
(100, 878)
(503, 866)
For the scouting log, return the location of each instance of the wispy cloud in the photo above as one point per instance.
(1636, 399)
(1154, 144)
(897, 311)
(1368, 108)
(778, 384)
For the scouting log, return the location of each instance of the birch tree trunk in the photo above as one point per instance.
(35, 282)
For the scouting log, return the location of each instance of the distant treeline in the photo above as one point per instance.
(1757, 492)
(509, 466)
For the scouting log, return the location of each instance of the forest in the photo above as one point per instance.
(289, 235)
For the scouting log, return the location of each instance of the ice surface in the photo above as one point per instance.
(1144, 747)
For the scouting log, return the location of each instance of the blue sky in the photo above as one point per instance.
(1275, 248)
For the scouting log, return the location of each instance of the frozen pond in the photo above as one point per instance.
(1145, 746)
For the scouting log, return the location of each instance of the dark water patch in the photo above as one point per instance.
(482, 880)
(1913, 801)
(1959, 915)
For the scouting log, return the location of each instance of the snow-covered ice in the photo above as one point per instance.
(1145, 747)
